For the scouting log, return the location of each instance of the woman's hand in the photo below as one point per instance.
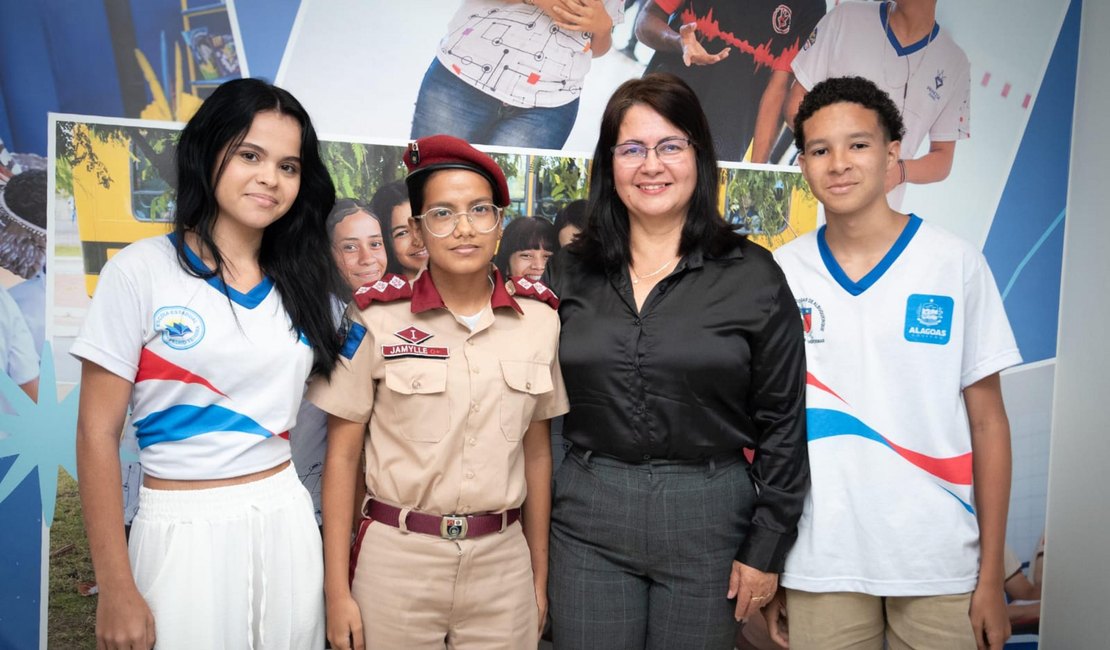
(582, 16)
(345, 624)
(751, 588)
(123, 621)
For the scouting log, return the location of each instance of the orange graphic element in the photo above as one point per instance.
(533, 78)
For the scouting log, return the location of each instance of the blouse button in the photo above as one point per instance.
(416, 383)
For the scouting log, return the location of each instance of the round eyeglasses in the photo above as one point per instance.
(440, 222)
(669, 150)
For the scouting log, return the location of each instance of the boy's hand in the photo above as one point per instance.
(988, 617)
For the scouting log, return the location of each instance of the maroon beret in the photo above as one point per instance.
(436, 152)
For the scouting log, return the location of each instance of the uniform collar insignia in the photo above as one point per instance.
(521, 286)
(391, 287)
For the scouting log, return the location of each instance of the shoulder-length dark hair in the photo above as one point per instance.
(385, 199)
(605, 241)
(295, 251)
(522, 234)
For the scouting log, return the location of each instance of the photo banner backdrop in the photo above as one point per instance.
(92, 97)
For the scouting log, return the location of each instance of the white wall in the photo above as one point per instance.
(1077, 552)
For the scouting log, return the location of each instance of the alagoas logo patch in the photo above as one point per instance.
(413, 337)
(181, 327)
(813, 320)
(929, 319)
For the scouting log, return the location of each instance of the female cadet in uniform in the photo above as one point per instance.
(681, 346)
(211, 332)
(457, 378)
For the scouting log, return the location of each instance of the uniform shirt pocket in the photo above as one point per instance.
(418, 388)
(525, 381)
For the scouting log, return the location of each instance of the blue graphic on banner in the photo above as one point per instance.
(40, 438)
(1025, 247)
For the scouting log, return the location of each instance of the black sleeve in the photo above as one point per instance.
(777, 408)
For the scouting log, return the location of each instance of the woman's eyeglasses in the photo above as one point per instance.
(668, 151)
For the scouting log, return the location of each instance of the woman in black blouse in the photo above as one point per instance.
(681, 346)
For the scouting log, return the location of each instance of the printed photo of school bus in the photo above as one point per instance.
(119, 185)
(771, 207)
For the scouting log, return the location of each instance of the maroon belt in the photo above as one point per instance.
(447, 526)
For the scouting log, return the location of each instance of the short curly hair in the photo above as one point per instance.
(856, 90)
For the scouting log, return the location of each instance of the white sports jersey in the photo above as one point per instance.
(217, 380)
(891, 510)
(514, 52)
(928, 80)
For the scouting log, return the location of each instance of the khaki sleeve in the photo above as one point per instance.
(349, 391)
(554, 402)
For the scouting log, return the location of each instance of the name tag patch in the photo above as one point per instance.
(929, 319)
(416, 351)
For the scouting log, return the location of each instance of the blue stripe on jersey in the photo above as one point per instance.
(884, 16)
(187, 420)
(857, 287)
(249, 300)
(354, 337)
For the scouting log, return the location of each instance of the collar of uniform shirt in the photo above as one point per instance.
(425, 296)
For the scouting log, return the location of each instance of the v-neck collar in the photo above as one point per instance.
(856, 287)
(248, 300)
(884, 20)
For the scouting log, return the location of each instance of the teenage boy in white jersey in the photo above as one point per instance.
(901, 538)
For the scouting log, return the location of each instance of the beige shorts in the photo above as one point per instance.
(853, 621)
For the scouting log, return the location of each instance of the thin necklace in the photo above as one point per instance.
(910, 74)
(638, 277)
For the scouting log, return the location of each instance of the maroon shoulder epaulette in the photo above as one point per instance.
(390, 288)
(519, 286)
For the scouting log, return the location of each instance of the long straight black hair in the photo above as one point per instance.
(295, 251)
(605, 241)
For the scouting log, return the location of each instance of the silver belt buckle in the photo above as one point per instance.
(452, 527)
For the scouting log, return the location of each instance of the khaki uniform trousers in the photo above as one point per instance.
(418, 591)
(854, 621)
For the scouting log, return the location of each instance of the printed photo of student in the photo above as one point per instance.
(522, 87)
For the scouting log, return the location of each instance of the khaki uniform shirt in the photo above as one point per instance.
(447, 407)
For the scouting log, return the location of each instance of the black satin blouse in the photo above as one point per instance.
(712, 364)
